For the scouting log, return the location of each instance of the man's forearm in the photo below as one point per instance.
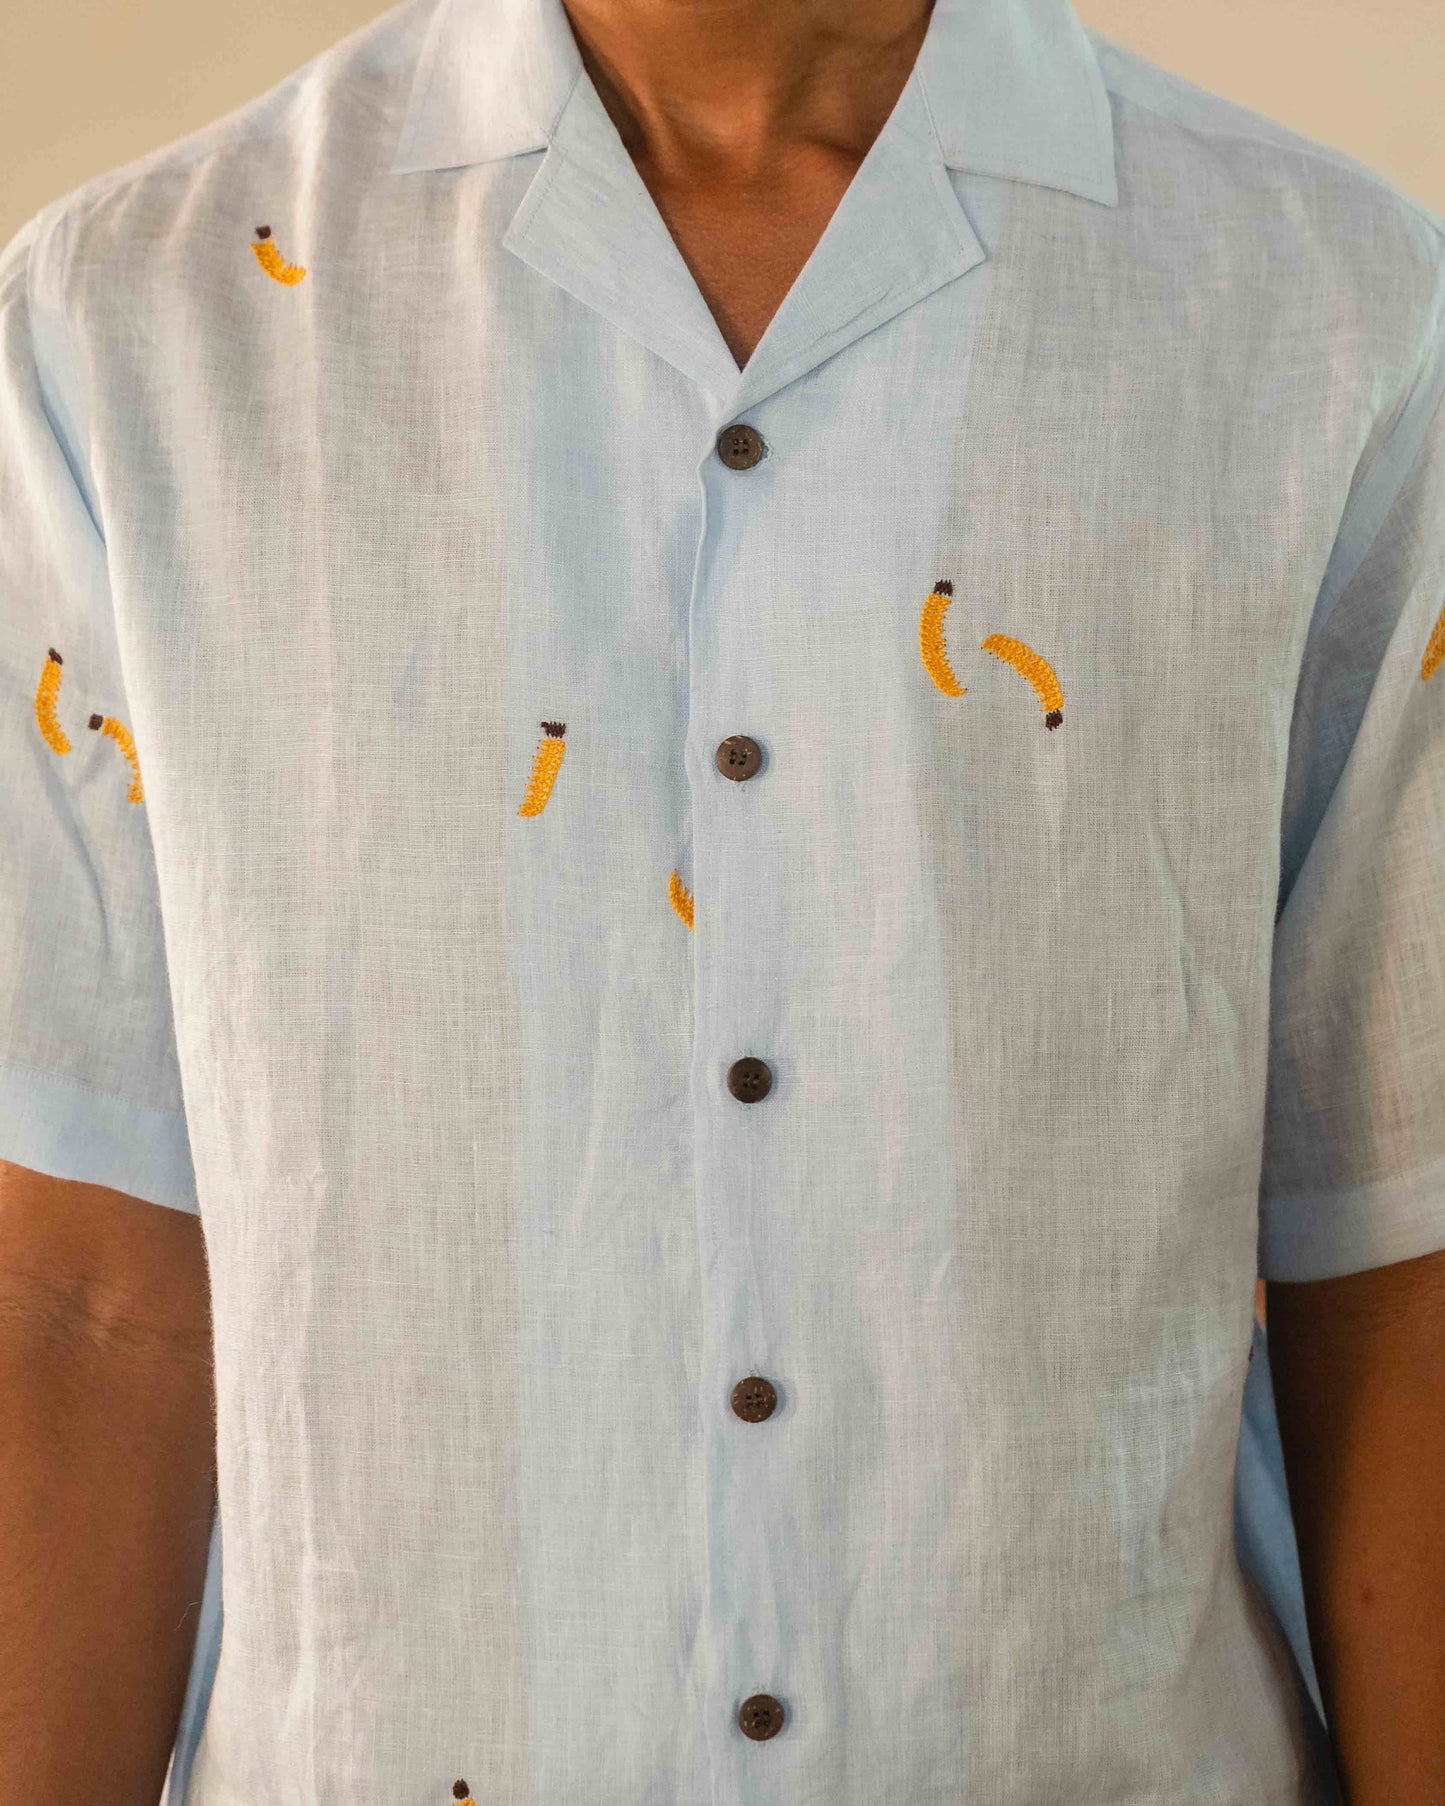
(106, 1487)
(1359, 1374)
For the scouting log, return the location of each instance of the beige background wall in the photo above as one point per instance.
(88, 84)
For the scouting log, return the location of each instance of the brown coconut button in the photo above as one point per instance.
(760, 1717)
(738, 757)
(754, 1399)
(740, 446)
(750, 1080)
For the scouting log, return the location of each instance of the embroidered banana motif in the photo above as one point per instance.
(932, 647)
(1035, 668)
(1434, 648)
(45, 695)
(545, 767)
(117, 730)
(271, 260)
(681, 898)
(933, 650)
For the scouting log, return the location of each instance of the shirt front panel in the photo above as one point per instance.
(435, 602)
(365, 567)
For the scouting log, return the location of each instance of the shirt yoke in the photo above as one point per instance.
(358, 89)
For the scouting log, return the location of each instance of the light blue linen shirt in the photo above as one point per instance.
(1264, 1538)
(382, 584)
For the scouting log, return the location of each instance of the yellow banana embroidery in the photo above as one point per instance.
(1035, 668)
(45, 695)
(932, 647)
(1434, 648)
(462, 1794)
(45, 698)
(117, 730)
(271, 260)
(680, 897)
(544, 768)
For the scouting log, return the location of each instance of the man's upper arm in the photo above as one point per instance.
(1354, 1144)
(83, 1264)
(89, 1075)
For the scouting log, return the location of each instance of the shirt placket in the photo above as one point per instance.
(741, 1087)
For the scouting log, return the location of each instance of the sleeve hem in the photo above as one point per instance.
(1324, 1235)
(63, 1127)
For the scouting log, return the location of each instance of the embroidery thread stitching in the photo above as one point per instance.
(545, 766)
(1434, 655)
(462, 1793)
(45, 697)
(1033, 666)
(681, 898)
(117, 730)
(272, 262)
(932, 647)
(47, 693)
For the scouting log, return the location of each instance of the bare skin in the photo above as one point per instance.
(747, 120)
(107, 1441)
(1358, 1365)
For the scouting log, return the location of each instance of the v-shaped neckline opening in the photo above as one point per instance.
(589, 222)
(846, 201)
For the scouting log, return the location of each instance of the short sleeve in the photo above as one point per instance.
(1353, 1171)
(89, 1077)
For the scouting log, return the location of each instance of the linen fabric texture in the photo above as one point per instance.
(1074, 1028)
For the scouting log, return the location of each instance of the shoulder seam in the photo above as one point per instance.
(53, 238)
(291, 98)
(1302, 146)
(210, 141)
(1375, 492)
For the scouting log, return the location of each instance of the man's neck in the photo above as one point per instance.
(747, 120)
(723, 89)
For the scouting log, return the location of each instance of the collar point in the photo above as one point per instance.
(415, 158)
(1100, 184)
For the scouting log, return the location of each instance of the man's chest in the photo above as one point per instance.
(330, 522)
(432, 709)
(1015, 577)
